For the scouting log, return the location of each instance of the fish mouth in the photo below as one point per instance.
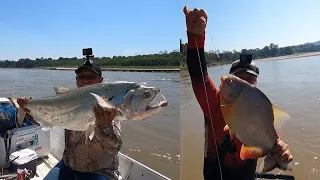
(151, 106)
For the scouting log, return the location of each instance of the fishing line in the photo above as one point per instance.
(208, 104)
(206, 94)
(215, 51)
(205, 89)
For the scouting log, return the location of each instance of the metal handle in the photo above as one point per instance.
(273, 176)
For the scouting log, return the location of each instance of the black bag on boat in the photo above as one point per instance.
(5, 123)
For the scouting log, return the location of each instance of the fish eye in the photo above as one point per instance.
(146, 95)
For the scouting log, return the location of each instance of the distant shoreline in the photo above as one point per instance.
(309, 54)
(169, 69)
(300, 55)
(122, 69)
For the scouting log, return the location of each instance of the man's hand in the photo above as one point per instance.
(281, 152)
(196, 20)
(22, 102)
(103, 116)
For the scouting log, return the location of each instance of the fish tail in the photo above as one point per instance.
(271, 163)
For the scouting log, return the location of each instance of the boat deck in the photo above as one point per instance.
(44, 165)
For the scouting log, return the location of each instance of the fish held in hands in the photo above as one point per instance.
(253, 119)
(72, 109)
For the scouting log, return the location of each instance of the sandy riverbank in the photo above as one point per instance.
(184, 68)
(290, 56)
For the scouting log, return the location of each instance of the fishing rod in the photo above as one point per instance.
(273, 176)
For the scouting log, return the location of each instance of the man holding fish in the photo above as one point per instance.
(99, 159)
(91, 116)
(230, 157)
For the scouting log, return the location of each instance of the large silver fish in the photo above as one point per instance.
(73, 109)
(251, 116)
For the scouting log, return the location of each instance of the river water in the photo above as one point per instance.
(154, 141)
(293, 85)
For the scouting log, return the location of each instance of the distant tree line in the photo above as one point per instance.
(163, 58)
(273, 50)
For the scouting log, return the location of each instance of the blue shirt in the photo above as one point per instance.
(9, 108)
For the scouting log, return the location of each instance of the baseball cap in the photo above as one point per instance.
(246, 64)
(91, 65)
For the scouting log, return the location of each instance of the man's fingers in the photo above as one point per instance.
(113, 113)
(100, 112)
(196, 10)
(202, 21)
(95, 110)
(186, 10)
(289, 159)
(203, 13)
(286, 156)
(194, 15)
(97, 113)
(22, 101)
(283, 156)
(277, 152)
(280, 149)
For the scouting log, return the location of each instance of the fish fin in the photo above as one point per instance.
(280, 117)
(251, 152)
(90, 133)
(61, 90)
(231, 133)
(127, 97)
(103, 103)
(270, 163)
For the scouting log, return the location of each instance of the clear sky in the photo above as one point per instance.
(38, 28)
(61, 28)
(255, 23)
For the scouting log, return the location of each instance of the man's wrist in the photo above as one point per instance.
(196, 41)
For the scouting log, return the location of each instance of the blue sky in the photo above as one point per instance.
(37, 28)
(59, 28)
(255, 23)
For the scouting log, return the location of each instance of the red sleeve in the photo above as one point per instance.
(195, 52)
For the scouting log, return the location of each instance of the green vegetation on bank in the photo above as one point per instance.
(273, 50)
(161, 60)
(120, 67)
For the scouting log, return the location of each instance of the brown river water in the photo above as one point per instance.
(293, 85)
